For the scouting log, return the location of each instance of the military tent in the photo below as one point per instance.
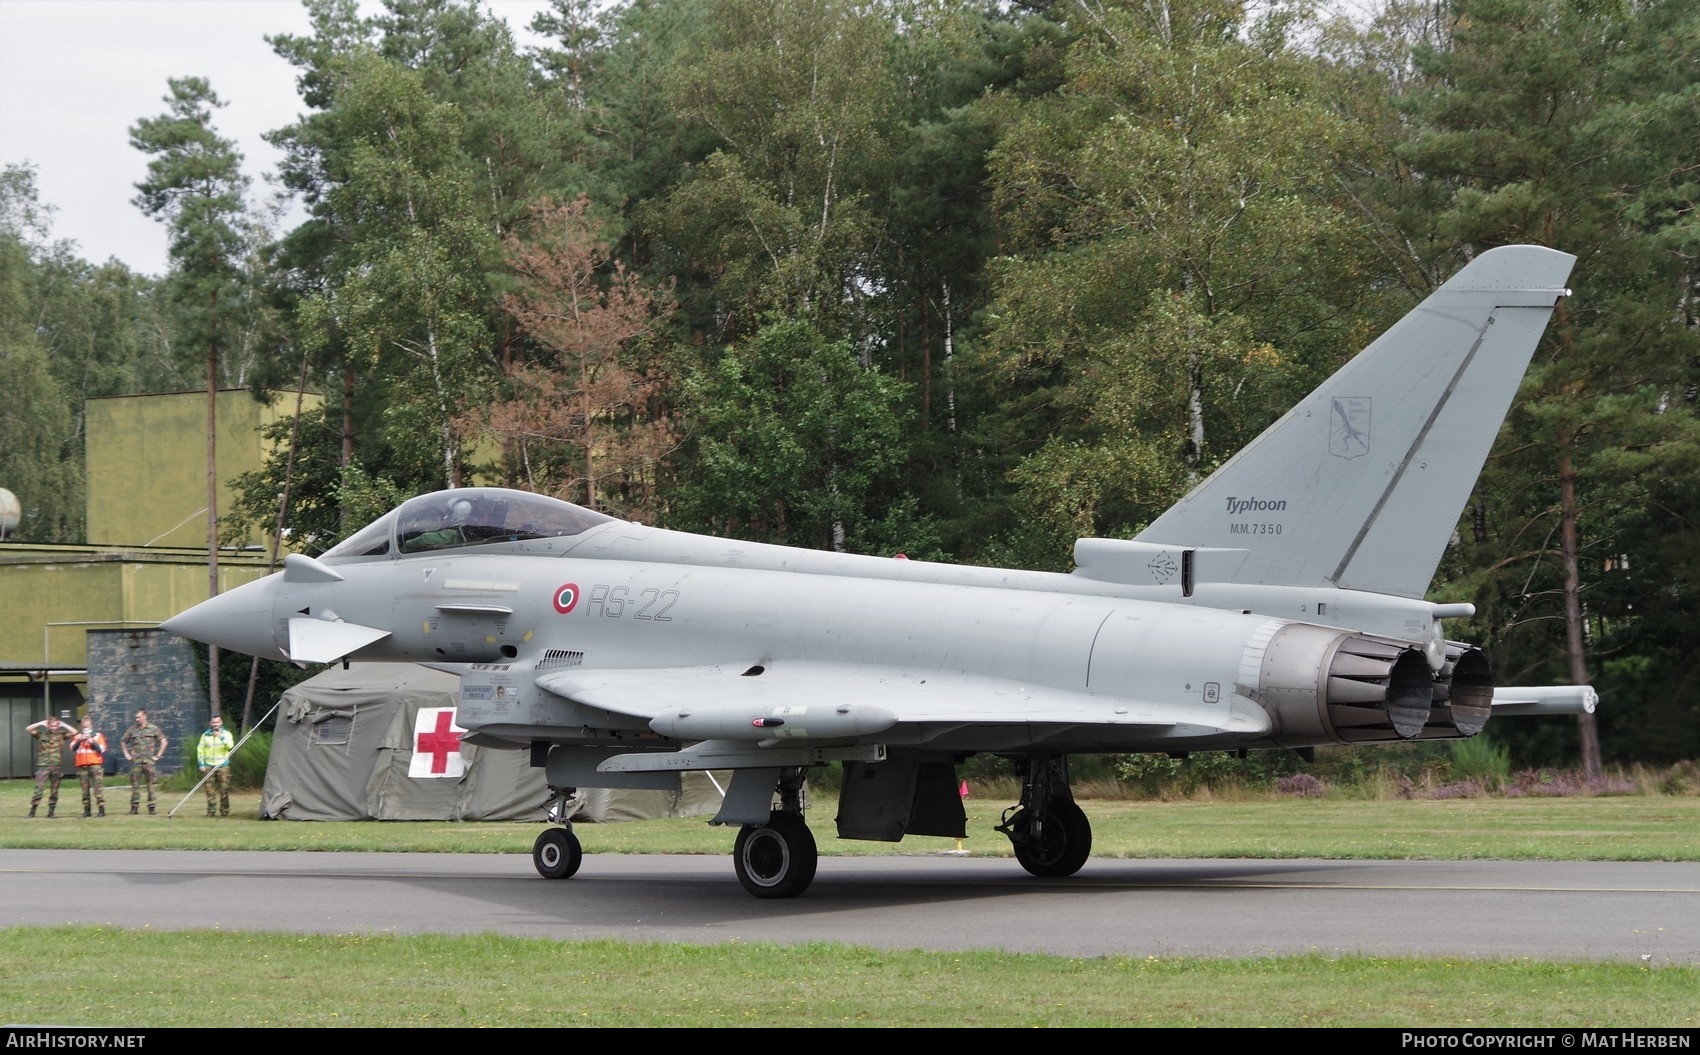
(377, 741)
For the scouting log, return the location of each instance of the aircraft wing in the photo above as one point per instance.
(846, 701)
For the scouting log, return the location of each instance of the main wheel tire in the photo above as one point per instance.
(1065, 845)
(557, 853)
(776, 859)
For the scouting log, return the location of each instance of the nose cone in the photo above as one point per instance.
(239, 620)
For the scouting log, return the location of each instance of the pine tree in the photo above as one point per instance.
(195, 186)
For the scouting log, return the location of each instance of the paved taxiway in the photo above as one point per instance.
(1630, 911)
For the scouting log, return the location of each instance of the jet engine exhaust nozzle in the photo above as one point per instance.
(1325, 687)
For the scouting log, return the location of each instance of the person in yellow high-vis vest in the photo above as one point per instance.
(213, 755)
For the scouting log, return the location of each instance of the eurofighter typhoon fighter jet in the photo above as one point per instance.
(1280, 604)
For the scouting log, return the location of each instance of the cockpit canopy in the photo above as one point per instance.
(465, 516)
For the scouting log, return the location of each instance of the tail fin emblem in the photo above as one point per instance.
(1348, 426)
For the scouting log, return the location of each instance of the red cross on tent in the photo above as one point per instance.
(436, 744)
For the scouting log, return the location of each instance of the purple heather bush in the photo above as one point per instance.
(1303, 785)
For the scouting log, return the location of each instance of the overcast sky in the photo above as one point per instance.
(76, 74)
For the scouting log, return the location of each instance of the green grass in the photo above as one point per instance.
(1608, 828)
(126, 979)
(139, 979)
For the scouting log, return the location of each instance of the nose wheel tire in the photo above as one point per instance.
(557, 853)
(776, 859)
(1063, 845)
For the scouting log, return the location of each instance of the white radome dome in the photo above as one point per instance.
(10, 512)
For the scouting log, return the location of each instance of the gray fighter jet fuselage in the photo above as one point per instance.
(1279, 605)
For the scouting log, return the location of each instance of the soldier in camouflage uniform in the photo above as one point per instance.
(51, 736)
(143, 745)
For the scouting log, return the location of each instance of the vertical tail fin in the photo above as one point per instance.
(1361, 484)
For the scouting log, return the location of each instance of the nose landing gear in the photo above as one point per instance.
(557, 853)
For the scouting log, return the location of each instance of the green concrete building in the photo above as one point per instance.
(146, 559)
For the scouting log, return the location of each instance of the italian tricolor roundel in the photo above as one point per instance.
(565, 597)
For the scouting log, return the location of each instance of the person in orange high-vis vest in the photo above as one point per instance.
(89, 749)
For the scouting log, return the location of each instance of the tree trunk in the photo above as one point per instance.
(1585, 725)
(589, 440)
(347, 435)
(277, 531)
(212, 514)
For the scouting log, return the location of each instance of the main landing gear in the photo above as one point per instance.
(777, 859)
(1049, 832)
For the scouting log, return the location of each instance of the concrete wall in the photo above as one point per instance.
(150, 670)
(147, 462)
(146, 561)
(53, 594)
(128, 670)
